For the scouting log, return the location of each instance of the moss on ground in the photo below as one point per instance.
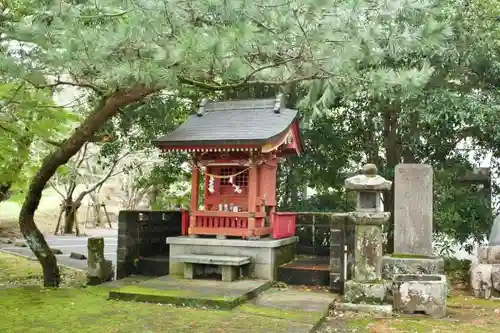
(14, 267)
(470, 302)
(310, 317)
(423, 325)
(177, 297)
(35, 309)
(19, 270)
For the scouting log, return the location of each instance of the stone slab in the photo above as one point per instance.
(261, 243)
(413, 209)
(196, 293)
(381, 309)
(212, 260)
(365, 292)
(294, 299)
(393, 266)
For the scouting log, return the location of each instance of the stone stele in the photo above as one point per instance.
(413, 199)
(99, 269)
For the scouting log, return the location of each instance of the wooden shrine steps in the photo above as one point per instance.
(229, 264)
(306, 270)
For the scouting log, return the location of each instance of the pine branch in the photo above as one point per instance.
(247, 82)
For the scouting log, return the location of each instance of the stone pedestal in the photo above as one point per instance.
(420, 293)
(367, 244)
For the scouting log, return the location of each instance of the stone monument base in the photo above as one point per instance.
(420, 293)
(394, 265)
(266, 254)
(365, 292)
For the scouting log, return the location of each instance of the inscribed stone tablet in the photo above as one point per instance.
(413, 209)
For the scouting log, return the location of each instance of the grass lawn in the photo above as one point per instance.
(19, 270)
(32, 309)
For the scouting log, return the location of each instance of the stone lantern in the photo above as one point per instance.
(366, 285)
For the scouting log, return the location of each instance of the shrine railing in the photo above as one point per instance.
(279, 225)
(229, 224)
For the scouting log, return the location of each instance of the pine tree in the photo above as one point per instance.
(121, 51)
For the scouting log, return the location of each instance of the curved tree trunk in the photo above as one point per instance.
(106, 109)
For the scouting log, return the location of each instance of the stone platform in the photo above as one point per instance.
(266, 254)
(178, 291)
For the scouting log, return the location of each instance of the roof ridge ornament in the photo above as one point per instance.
(279, 103)
(201, 109)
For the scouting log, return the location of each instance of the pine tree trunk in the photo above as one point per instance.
(393, 155)
(105, 109)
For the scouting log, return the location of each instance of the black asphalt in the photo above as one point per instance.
(68, 244)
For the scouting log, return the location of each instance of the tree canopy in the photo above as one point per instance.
(391, 81)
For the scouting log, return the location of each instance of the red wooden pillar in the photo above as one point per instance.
(194, 196)
(253, 178)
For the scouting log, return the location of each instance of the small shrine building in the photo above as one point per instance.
(235, 147)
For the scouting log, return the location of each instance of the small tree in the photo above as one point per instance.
(81, 170)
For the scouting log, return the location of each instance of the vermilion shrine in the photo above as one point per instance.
(236, 147)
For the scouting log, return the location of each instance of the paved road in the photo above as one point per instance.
(68, 244)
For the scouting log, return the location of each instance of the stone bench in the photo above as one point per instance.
(230, 265)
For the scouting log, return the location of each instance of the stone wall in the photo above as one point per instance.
(313, 230)
(143, 234)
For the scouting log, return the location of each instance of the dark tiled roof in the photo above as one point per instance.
(232, 122)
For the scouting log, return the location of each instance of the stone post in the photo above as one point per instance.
(99, 269)
(366, 285)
